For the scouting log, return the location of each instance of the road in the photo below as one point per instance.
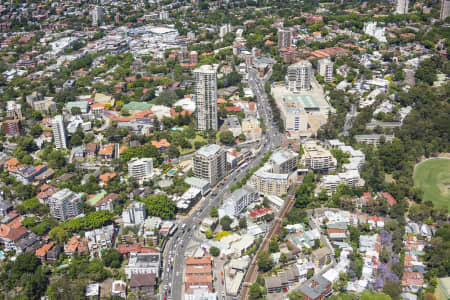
(172, 284)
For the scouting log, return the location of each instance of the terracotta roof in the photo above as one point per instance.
(198, 261)
(127, 248)
(203, 269)
(12, 233)
(72, 245)
(107, 176)
(391, 201)
(198, 279)
(161, 143)
(106, 150)
(412, 278)
(44, 249)
(260, 211)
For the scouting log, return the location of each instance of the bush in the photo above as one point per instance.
(214, 251)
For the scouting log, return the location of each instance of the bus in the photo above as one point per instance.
(173, 229)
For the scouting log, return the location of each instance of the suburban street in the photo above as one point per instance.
(173, 275)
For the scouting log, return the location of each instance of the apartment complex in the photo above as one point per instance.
(350, 178)
(205, 93)
(65, 205)
(209, 162)
(284, 38)
(445, 9)
(317, 158)
(134, 214)
(143, 263)
(140, 168)
(401, 7)
(283, 161)
(374, 139)
(59, 132)
(11, 127)
(14, 110)
(97, 16)
(299, 76)
(325, 68)
(266, 182)
(239, 199)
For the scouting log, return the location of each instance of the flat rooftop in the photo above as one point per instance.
(307, 101)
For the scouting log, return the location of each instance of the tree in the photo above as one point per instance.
(255, 291)
(58, 234)
(310, 273)
(214, 212)
(111, 258)
(225, 222)
(295, 296)
(173, 151)
(273, 245)
(209, 234)
(214, 251)
(226, 137)
(265, 261)
(242, 223)
(393, 288)
(75, 110)
(36, 130)
(160, 206)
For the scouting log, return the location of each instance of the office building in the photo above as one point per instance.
(239, 199)
(11, 127)
(65, 205)
(325, 67)
(284, 38)
(209, 162)
(13, 110)
(140, 168)
(205, 92)
(134, 214)
(299, 76)
(59, 132)
(97, 16)
(317, 158)
(445, 9)
(401, 7)
(283, 161)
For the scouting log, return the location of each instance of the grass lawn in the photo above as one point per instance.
(433, 177)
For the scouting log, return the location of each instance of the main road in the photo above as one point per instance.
(173, 275)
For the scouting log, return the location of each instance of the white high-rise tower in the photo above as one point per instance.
(402, 7)
(325, 67)
(299, 76)
(59, 133)
(206, 97)
(97, 16)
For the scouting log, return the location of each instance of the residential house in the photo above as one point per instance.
(106, 151)
(321, 256)
(107, 203)
(144, 284)
(316, 288)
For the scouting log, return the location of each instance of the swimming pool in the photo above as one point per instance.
(171, 172)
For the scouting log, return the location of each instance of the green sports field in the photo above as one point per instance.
(433, 177)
